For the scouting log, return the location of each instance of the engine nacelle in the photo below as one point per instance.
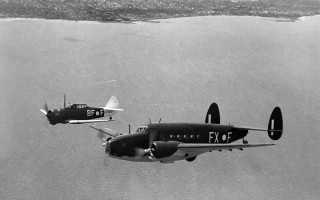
(162, 149)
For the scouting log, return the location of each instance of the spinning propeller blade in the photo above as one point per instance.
(45, 112)
(102, 137)
(140, 152)
(45, 109)
(45, 106)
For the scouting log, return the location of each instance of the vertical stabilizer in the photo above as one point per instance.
(113, 104)
(276, 124)
(213, 114)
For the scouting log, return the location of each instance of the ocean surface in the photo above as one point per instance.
(171, 70)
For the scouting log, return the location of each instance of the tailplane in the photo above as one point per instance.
(213, 114)
(275, 123)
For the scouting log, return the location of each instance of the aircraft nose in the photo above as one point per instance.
(49, 113)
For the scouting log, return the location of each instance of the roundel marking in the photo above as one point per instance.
(224, 137)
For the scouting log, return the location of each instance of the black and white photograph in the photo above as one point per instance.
(159, 99)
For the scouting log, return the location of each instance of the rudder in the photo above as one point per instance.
(213, 114)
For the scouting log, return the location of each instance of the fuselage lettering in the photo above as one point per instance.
(213, 136)
(229, 136)
(90, 113)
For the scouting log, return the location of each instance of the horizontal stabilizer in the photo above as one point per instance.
(252, 128)
(114, 109)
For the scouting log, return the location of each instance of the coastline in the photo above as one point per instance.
(157, 20)
(124, 12)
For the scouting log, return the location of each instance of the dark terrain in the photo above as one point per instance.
(131, 10)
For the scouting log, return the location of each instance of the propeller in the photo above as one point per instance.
(140, 152)
(46, 112)
(45, 106)
(45, 109)
(102, 137)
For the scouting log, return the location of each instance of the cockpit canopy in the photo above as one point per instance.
(142, 129)
(77, 106)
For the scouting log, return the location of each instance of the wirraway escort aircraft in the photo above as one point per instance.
(169, 142)
(81, 113)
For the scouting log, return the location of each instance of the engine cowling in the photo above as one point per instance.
(162, 149)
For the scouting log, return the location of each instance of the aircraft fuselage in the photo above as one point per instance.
(169, 135)
(76, 113)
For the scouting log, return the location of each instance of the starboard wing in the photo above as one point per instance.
(87, 121)
(202, 148)
(108, 131)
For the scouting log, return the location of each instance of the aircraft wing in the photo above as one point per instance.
(202, 148)
(108, 131)
(87, 121)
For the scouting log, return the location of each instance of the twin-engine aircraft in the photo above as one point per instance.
(81, 113)
(169, 142)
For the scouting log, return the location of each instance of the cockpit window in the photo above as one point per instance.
(142, 129)
(77, 106)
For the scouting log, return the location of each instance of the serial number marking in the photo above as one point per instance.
(97, 113)
(214, 137)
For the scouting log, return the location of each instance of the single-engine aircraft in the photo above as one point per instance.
(81, 113)
(169, 142)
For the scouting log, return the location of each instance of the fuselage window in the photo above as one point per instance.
(191, 136)
(198, 136)
(178, 136)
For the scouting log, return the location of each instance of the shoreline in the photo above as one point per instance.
(156, 20)
(113, 11)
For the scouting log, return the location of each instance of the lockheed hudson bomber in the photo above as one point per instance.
(81, 113)
(168, 142)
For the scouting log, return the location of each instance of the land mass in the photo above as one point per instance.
(132, 10)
